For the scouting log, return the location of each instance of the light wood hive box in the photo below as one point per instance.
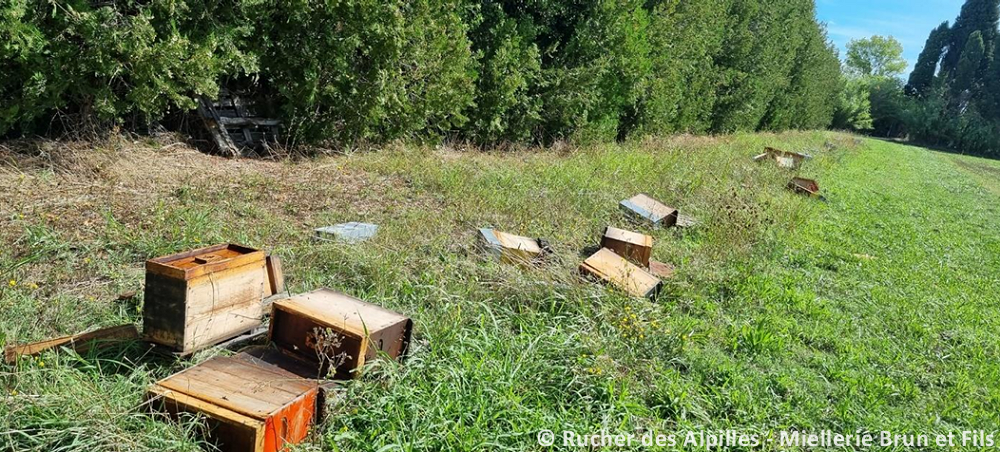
(645, 207)
(630, 245)
(612, 268)
(250, 406)
(326, 328)
(510, 248)
(199, 298)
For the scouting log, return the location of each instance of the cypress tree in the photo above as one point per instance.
(926, 68)
(976, 15)
(968, 65)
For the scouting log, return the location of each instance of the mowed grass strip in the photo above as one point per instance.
(875, 310)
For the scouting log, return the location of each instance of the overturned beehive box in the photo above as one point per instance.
(510, 248)
(250, 407)
(630, 245)
(199, 298)
(804, 186)
(644, 207)
(609, 267)
(784, 159)
(328, 330)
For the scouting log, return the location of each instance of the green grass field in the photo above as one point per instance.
(876, 310)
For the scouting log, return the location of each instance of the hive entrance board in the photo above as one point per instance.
(328, 328)
(510, 248)
(612, 268)
(199, 298)
(250, 407)
(234, 127)
(649, 209)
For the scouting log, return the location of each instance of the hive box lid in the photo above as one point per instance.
(633, 238)
(353, 232)
(650, 209)
(510, 247)
(342, 311)
(610, 267)
(195, 263)
(239, 386)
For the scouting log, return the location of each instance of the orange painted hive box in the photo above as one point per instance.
(250, 407)
(199, 298)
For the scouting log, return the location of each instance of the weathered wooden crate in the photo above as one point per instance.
(630, 245)
(612, 268)
(649, 209)
(199, 298)
(510, 248)
(784, 159)
(804, 186)
(336, 331)
(250, 407)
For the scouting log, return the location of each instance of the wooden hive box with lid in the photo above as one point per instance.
(329, 329)
(616, 270)
(199, 298)
(644, 207)
(630, 245)
(250, 406)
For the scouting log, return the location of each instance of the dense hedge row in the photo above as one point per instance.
(485, 70)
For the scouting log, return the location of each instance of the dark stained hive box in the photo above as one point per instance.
(630, 245)
(199, 298)
(331, 329)
(804, 186)
(249, 407)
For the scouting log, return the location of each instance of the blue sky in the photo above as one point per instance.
(909, 21)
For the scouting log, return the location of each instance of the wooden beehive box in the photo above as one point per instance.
(630, 245)
(612, 268)
(804, 186)
(334, 330)
(649, 209)
(510, 248)
(249, 407)
(784, 159)
(202, 297)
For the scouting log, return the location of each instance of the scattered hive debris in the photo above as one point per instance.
(234, 128)
(784, 159)
(804, 186)
(649, 209)
(334, 331)
(630, 245)
(353, 232)
(81, 343)
(662, 270)
(250, 407)
(510, 248)
(199, 298)
(686, 221)
(610, 267)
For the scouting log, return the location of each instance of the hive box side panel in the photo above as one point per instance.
(223, 305)
(393, 340)
(290, 425)
(230, 431)
(164, 310)
(612, 268)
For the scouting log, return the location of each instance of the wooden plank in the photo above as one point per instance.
(275, 275)
(612, 268)
(81, 343)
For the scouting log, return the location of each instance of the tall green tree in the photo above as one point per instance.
(877, 56)
(968, 65)
(924, 71)
(976, 15)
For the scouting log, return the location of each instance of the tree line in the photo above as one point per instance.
(951, 98)
(488, 71)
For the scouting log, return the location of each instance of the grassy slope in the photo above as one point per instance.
(874, 311)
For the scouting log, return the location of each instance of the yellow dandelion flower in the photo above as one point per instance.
(12, 283)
